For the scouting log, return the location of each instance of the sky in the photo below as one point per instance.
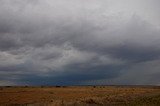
(79, 42)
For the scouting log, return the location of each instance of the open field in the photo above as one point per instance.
(80, 96)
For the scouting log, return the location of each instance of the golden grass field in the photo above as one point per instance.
(80, 96)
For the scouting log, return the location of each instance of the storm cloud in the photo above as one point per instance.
(76, 42)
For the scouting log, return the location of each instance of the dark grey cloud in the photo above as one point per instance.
(79, 42)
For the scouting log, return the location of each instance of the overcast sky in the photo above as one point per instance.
(76, 42)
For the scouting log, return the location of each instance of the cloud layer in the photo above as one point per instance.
(79, 42)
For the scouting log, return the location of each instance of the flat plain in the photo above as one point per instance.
(80, 96)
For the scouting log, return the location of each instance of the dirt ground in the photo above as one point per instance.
(80, 96)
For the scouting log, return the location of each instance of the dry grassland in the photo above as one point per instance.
(80, 96)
